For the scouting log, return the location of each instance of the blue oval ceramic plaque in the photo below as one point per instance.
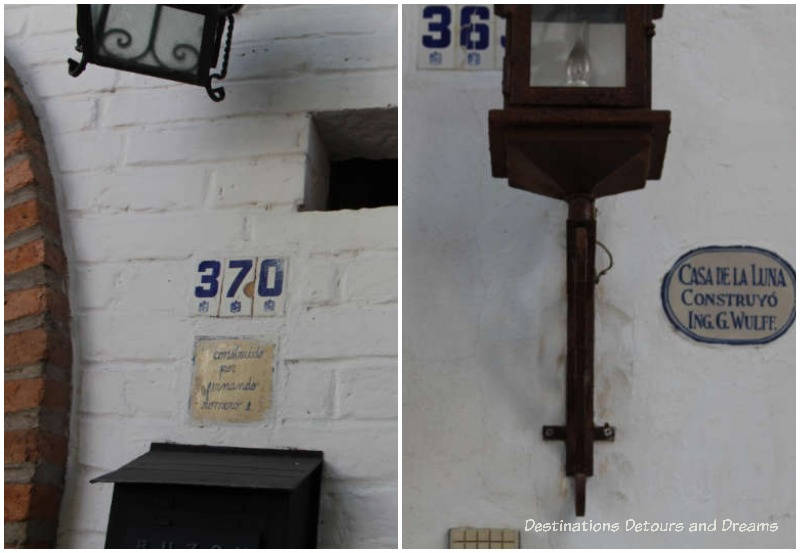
(735, 295)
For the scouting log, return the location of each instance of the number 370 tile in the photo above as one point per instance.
(238, 287)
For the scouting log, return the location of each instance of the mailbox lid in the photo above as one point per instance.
(234, 467)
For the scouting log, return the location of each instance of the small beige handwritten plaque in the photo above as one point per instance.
(232, 379)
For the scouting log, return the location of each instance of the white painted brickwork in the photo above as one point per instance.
(149, 174)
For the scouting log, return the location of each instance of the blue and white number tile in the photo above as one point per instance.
(239, 286)
(460, 37)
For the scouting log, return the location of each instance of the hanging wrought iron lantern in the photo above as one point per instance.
(180, 42)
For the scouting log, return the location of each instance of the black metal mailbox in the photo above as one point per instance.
(187, 496)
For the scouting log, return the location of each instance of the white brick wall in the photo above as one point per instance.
(149, 174)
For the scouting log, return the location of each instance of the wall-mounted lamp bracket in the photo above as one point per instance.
(575, 130)
(578, 155)
(605, 433)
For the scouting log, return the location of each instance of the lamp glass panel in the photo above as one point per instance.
(577, 45)
(148, 35)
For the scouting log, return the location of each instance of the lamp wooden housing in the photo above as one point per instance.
(577, 125)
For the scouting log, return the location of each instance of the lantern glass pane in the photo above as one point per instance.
(577, 45)
(148, 36)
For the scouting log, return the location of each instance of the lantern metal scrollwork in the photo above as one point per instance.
(180, 42)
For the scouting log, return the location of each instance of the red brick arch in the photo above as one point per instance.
(38, 355)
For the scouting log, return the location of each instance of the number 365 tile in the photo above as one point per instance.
(460, 37)
(238, 287)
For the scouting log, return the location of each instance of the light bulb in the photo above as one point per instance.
(578, 65)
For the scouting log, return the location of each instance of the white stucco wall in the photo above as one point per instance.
(704, 431)
(150, 173)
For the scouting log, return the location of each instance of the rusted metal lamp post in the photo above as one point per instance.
(577, 125)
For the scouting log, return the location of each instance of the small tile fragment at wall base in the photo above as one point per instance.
(483, 538)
